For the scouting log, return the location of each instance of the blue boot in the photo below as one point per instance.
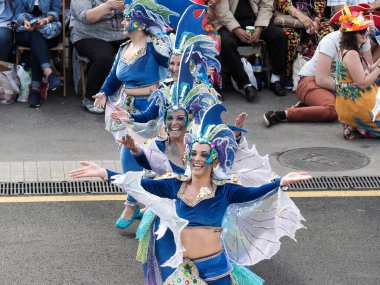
(123, 224)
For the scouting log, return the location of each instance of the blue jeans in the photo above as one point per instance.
(39, 56)
(128, 161)
(6, 42)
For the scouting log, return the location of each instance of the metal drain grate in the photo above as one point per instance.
(339, 183)
(101, 187)
(51, 188)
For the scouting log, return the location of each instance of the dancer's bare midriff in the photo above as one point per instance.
(201, 241)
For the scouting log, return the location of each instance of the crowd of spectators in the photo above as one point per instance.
(96, 32)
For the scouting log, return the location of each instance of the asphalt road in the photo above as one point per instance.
(76, 243)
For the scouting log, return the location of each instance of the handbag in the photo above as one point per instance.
(48, 31)
(287, 21)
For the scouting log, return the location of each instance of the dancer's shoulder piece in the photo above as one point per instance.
(167, 175)
(162, 44)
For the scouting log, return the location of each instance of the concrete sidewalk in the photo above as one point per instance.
(60, 133)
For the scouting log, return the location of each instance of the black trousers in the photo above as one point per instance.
(101, 55)
(276, 43)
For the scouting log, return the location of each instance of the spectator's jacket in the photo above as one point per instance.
(6, 12)
(24, 8)
(222, 15)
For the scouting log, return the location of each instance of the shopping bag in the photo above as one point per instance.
(9, 84)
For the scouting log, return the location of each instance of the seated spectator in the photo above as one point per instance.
(33, 16)
(6, 37)
(230, 18)
(355, 92)
(315, 89)
(311, 15)
(97, 33)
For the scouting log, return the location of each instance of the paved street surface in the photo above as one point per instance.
(74, 242)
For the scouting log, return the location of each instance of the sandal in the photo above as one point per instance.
(348, 132)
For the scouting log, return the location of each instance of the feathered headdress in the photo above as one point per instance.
(219, 136)
(191, 33)
(153, 15)
(195, 99)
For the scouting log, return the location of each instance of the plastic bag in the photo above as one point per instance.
(9, 89)
(249, 70)
(25, 81)
(297, 65)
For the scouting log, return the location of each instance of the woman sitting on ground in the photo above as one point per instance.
(315, 89)
(357, 101)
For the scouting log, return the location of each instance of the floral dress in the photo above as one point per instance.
(313, 8)
(355, 106)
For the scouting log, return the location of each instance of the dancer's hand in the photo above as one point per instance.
(121, 115)
(130, 143)
(100, 100)
(239, 122)
(294, 177)
(90, 170)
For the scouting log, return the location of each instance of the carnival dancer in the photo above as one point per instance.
(146, 25)
(202, 57)
(207, 241)
(357, 98)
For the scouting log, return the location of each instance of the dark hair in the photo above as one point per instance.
(349, 41)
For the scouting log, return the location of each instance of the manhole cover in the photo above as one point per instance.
(323, 159)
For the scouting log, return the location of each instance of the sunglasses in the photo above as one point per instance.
(362, 32)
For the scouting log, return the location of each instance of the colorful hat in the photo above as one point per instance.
(148, 12)
(351, 18)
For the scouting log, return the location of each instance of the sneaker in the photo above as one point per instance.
(250, 92)
(54, 82)
(270, 118)
(299, 104)
(34, 98)
(88, 104)
(277, 88)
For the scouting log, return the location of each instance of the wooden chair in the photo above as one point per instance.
(60, 49)
(83, 63)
